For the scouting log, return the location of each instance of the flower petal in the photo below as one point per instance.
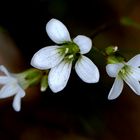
(87, 70)
(58, 76)
(84, 43)
(57, 31)
(21, 92)
(135, 72)
(5, 79)
(113, 69)
(133, 84)
(8, 90)
(3, 69)
(17, 100)
(116, 89)
(46, 57)
(135, 61)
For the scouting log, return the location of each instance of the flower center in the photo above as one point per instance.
(125, 71)
(70, 50)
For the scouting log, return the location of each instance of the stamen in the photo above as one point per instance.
(70, 56)
(123, 71)
(126, 70)
(66, 50)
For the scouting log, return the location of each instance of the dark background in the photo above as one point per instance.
(81, 111)
(26, 20)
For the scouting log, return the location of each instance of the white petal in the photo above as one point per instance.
(46, 57)
(133, 84)
(8, 90)
(57, 31)
(58, 76)
(17, 100)
(84, 43)
(113, 69)
(21, 92)
(116, 89)
(5, 79)
(135, 72)
(135, 61)
(3, 69)
(87, 70)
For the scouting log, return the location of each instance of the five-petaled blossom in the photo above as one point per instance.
(129, 72)
(59, 58)
(10, 88)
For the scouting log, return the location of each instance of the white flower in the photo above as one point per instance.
(128, 72)
(59, 58)
(10, 88)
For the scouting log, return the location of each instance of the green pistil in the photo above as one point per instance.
(69, 50)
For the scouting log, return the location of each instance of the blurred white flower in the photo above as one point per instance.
(10, 88)
(59, 58)
(128, 72)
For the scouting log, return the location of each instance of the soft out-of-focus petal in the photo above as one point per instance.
(57, 31)
(133, 84)
(5, 79)
(116, 89)
(21, 92)
(17, 99)
(84, 43)
(17, 103)
(8, 90)
(135, 61)
(58, 76)
(4, 70)
(87, 70)
(46, 58)
(113, 69)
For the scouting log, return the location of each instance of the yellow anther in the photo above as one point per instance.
(66, 50)
(70, 56)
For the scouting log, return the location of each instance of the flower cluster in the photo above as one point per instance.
(11, 87)
(15, 84)
(59, 58)
(53, 64)
(125, 71)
